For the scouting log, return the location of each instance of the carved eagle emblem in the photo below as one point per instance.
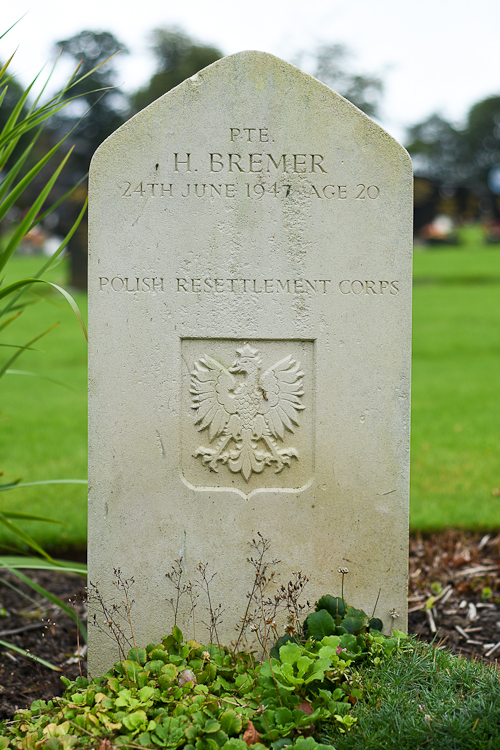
(246, 411)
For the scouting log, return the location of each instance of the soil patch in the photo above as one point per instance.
(454, 599)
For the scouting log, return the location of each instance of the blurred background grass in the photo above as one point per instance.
(455, 465)
(455, 460)
(43, 432)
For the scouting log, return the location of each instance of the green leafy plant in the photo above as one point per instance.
(183, 694)
(333, 617)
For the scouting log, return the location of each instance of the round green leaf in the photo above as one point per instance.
(353, 624)
(334, 605)
(319, 624)
(230, 722)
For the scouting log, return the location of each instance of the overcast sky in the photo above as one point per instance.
(434, 55)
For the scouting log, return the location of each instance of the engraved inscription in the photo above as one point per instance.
(246, 411)
(250, 134)
(249, 154)
(265, 162)
(131, 284)
(372, 191)
(256, 190)
(203, 285)
(368, 287)
(253, 286)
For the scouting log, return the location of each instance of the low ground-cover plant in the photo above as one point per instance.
(185, 695)
(332, 681)
(176, 694)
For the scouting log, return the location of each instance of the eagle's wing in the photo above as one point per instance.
(212, 401)
(282, 389)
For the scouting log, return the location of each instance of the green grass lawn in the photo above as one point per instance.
(455, 465)
(43, 432)
(455, 398)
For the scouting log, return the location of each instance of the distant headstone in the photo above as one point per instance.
(249, 316)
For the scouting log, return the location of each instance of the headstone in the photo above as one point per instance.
(249, 318)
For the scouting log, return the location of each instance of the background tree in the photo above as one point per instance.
(178, 57)
(105, 108)
(106, 104)
(438, 150)
(482, 139)
(460, 157)
(330, 63)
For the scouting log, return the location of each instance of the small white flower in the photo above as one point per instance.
(393, 613)
(344, 571)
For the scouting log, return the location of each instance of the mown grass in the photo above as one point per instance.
(426, 698)
(455, 464)
(455, 398)
(43, 432)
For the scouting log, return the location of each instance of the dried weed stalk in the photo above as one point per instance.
(214, 612)
(260, 616)
(262, 609)
(181, 589)
(115, 616)
(202, 582)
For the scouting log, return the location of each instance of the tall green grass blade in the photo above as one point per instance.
(27, 282)
(51, 597)
(30, 122)
(14, 115)
(47, 81)
(15, 485)
(26, 373)
(19, 346)
(19, 591)
(90, 72)
(8, 321)
(5, 67)
(35, 563)
(11, 485)
(53, 207)
(20, 350)
(18, 190)
(18, 650)
(14, 170)
(30, 517)
(23, 536)
(11, 27)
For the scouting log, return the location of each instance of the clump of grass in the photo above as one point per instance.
(425, 697)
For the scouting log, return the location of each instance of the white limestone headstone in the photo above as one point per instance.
(249, 318)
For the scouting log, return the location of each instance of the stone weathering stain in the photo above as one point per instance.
(249, 314)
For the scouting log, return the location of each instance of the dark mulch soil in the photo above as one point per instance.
(461, 570)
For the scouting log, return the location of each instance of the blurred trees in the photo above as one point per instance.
(101, 107)
(459, 156)
(178, 57)
(437, 150)
(330, 63)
